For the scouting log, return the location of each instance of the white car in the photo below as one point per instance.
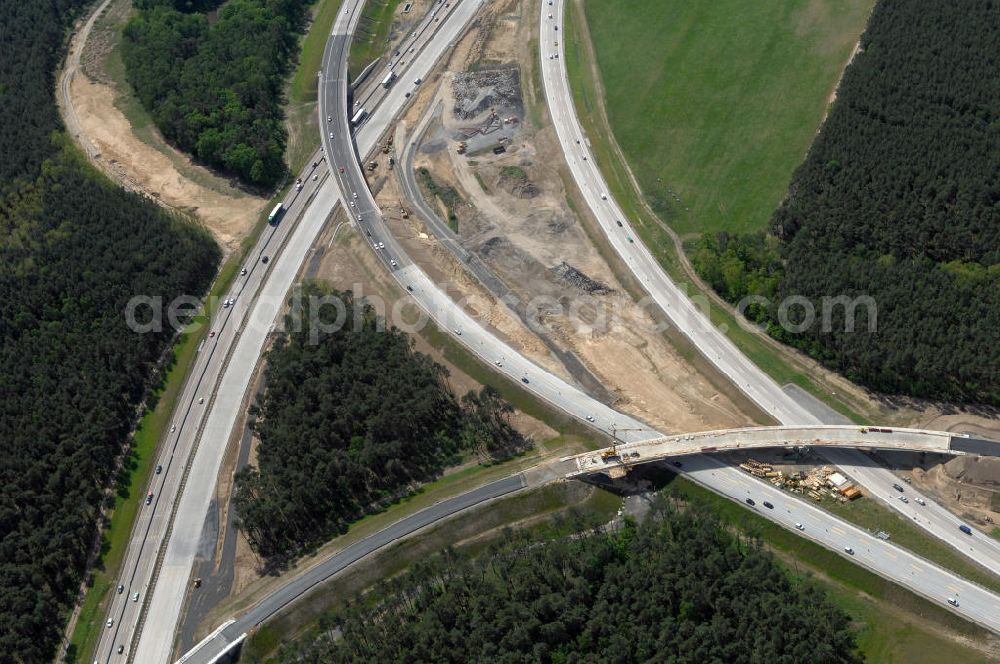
(920, 501)
(173, 428)
(392, 262)
(498, 363)
(135, 597)
(355, 195)
(904, 499)
(604, 196)
(458, 331)
(351, 203)
(590, 418)
(331, 135)
(359, 217)
(381, 245)
(849, 550)
(329, 118)
(800, 526)
(953, 601)
(111, 621)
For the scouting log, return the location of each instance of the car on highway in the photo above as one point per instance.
(920, 501)
(458, 331)
(355, 194)
(331, 135)
(359, 217)
(392, 262)
(849, 550)
(604, 196)
(159, 469)
(149, 498)
(173, 428)
(768, 505)
(965, 529)
(897, 487)
(121, 589)
(799, 526)
(524, 379)
(211, 334)
(351, 203)
(298, 184)
(329, 118)
(749, 501)
(121, 649)
(381, 245)
(243, 272)
(264, 259)
(904, 499)
(618, 221)
(110, 623)
(498, 363)
(315, 177)
(590, 418)
(341, 169)
(953, 601)
(135, 597)
(201, 399)
(677, 464)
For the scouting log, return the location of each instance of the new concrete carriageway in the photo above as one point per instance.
(613, 460)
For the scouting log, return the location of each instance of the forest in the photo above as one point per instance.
(352, 420)
(897, 199)
(211, 78)
(73, 250)
(678, 587)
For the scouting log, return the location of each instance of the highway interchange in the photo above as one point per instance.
(170, 528)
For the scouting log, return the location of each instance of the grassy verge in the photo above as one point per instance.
(471, 532)
(447, 194)
(896, 624)
(372, 36)
(134, 477)
(867, 513)
(650, 230)
(305, 81)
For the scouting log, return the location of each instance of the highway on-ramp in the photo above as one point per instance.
(685, 315)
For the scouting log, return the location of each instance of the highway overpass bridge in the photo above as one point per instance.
(616, 459)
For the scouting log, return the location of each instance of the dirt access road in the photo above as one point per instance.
(92, 93)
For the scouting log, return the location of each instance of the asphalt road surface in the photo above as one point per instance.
(300, 585)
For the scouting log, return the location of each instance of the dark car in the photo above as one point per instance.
(678, 464)
(750, 501)
(264, 259)
(897, 487)
(768, 505)
(525, 380)
(159, 469)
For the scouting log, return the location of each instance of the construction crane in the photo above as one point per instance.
(613, 452)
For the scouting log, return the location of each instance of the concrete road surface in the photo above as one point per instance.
(683, 313)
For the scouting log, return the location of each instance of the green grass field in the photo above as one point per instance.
(718, 102)
(586, 99)
(372, 38)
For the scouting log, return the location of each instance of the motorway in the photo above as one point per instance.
(192, 422)
(242, 330)
(883, 558)
(685, 315)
